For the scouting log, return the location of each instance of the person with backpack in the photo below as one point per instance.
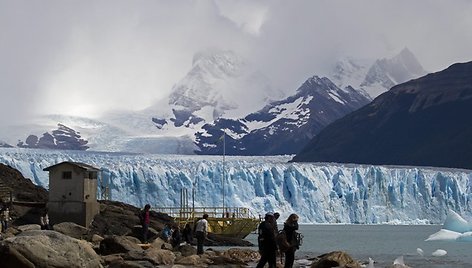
(266, 242)
(290, 230)
(145, 220)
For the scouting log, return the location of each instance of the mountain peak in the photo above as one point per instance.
(386, 73)
(217, 85)
(377, 76)
(219, 62)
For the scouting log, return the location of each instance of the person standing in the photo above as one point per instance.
(201, 231)
(266, 242)
(290, 228)
(4, 217)
(145, 221)
(276, 217)
(44, 220)
(187, 233)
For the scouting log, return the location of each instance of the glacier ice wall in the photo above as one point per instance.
(318, 192)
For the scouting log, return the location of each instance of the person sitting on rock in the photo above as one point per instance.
(187, 233)
(176, 237)
(166, 233)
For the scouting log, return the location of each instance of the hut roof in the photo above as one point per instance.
(83, 166)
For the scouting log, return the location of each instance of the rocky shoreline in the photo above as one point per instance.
(70, 245)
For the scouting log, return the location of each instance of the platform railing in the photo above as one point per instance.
(213, 212)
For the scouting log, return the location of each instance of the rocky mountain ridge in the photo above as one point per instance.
(62, 138)
(282, 127)
(423, 122)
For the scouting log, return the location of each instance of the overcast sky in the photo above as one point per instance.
(84, 57)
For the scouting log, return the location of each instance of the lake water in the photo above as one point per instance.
(383, 243)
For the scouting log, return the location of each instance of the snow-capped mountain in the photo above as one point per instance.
(317, 192)
(220, 83)
(220, 91)
(422, 122)
(282, 127)
(217, 84)
(376, 77)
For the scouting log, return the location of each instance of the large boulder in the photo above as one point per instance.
(335, 259)
(160, 256)
(47, 249)
(137, 231)
(153, 255)
(159, 243)
(194, 261)
(187, 250)
(29, 227)
(71, 229)
(118, 244)
(131, 264)
(242, 255)
(10, 257)
(118, 218)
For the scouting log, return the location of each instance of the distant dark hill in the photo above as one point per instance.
(423, 122)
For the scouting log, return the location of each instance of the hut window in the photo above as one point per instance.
(92, 175)
(67, 175)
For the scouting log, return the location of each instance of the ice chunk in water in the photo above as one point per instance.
(439, 253)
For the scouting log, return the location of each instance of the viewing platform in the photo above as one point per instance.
(235, 222)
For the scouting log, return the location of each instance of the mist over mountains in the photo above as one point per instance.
(222, 92)
(376, 77)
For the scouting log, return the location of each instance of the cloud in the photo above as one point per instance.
(87, 57)
(249, 16)
(303, 38)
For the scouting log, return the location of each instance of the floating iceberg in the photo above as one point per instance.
(455, 228)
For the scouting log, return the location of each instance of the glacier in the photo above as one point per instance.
(318, 192)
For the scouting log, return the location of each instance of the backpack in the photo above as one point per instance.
(282, 242)
(298, 239)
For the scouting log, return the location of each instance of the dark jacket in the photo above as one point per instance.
(266, 238)
(176, 238)
(290, 229)
(187, 234)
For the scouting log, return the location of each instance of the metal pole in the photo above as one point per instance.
(224, 153)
